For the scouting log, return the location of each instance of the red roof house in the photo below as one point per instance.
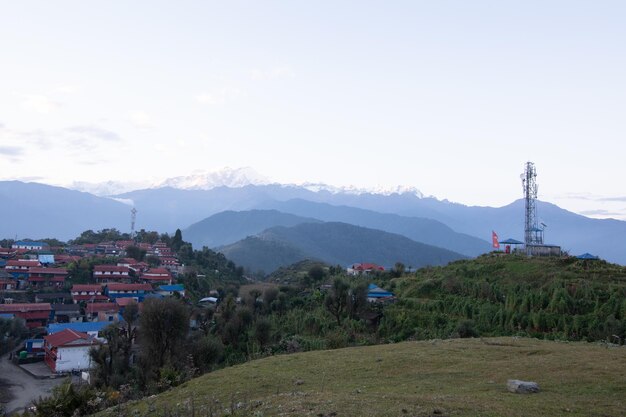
(154, 275)
(68, 350)
(47, 276)
(108, 273)
(90, 293)
(34, 314)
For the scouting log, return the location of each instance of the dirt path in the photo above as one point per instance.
(21, 389)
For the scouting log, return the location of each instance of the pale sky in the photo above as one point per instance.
(452, 97)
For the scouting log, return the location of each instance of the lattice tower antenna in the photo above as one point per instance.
(133, 217)
(533, 235)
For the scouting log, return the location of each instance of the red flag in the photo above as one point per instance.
(494, 239)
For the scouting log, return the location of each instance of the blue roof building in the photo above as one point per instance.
(169, 290)
(374, 292)
(91, 328)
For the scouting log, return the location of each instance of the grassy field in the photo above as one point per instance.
(457, 377)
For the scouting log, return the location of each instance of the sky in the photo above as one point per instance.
(450, 97)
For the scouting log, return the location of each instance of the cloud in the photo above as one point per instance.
(612, 199)
(591, 197)
(11, 150)
(220, 96)
(272, 73)
(94, 132)
(603, 213)
(39, 103)
(28, 179)
(141, 119)
(127, 201)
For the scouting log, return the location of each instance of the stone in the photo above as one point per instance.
(522, 387)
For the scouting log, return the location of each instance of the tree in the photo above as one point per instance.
(336, 300)
(128, 331)
(136, 253)
(262, 331)
(177, 240)
(316, 273)
(398, 270)
(358, 299)
(164, 324)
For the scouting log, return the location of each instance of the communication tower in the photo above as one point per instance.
(533, 234)
(133, 217)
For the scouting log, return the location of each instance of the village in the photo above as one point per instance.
(65, 315)
(65, 320)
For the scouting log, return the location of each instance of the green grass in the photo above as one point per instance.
(457, 377)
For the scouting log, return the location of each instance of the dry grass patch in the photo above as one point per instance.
(458, 377)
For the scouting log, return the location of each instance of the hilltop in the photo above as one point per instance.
(456, 377)
(333, 243)
(497, 294)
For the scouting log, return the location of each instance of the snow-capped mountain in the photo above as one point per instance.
(228, 177)
(400, 189)
(107, 188)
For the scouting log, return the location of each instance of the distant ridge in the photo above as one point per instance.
(333, 243)
(419, 229)
(230, 226)
(38, 210)
(31, 210)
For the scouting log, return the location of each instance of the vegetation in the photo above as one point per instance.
(12, 332)
(494, 295)
(556, 298)
(460, 377)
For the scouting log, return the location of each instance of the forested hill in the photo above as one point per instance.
(334, 243)
(495, 294)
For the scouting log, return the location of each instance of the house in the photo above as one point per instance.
(34, 314)
(46, 258)
(64, 259)
(30, 245)
(102, 311)
(126, 262)
(375, 293)
(364, 269)
(68, 350)
(120, 290)
(46, 277)
(7, 253)
(7, 284)
(123, 244)
(156, 275)
(52, 297)
(89, 293)
(125, 302)
(93, 328)
(66, 313)
(170, 290)
(20, 268)
(111, 273)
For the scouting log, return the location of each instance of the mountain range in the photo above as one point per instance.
(333, 243)
(38, 211)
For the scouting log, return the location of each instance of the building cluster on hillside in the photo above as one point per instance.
(65, 317)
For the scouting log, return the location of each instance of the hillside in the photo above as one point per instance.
(457, 377)
(230, 226)
(335, 244)
(419, 229)
(496, 294)
(167, 208)
(40, 211)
